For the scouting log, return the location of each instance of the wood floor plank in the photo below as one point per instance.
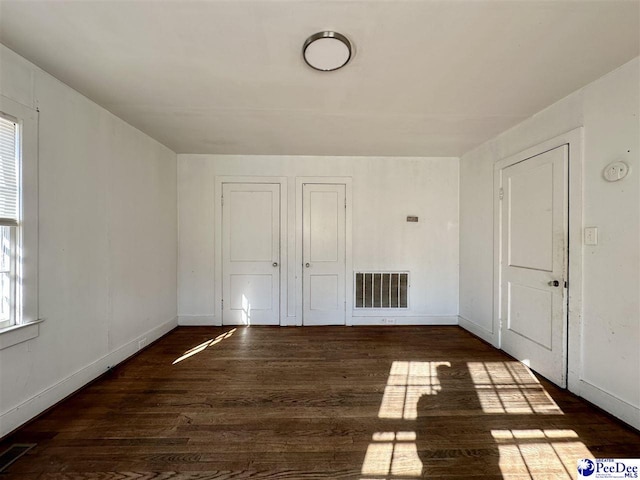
(362, 403)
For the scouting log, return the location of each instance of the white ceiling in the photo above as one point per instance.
(429, 78)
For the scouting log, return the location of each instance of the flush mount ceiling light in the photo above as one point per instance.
(327, 51)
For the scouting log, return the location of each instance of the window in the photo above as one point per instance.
(18, 223)
(9, 207)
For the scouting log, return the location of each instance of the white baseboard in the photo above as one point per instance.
(371, 320)
(391, 320)
(210, 321)
(610, 403)
(198, 321)
(17, 416)
(481, 332)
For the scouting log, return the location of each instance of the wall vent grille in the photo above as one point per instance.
(382, 289)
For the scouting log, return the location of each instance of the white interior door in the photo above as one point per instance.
(251, 254)
(323, 254)
(534, 262)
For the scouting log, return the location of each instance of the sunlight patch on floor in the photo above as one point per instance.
(510, 387)
(392, 453)
(540, 453)
(407, 382)
(503, 389)
(199, 348)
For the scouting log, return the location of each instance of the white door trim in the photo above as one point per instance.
(575, 140)
(347, 182)
(217, 293)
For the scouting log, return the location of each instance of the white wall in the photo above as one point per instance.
(107, 244)
(385, 191)
(610, 335)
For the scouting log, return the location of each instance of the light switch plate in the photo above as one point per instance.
(591, 236)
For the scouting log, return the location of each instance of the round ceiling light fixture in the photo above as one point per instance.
(327, 51)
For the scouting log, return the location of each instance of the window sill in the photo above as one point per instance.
(16, 334)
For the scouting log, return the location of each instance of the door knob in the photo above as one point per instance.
(307, 265)
(554, 283)
(275, 264)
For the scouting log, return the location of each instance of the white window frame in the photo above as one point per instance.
(26, 323)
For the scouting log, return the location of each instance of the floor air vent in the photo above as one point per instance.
(382, 289)
(13, 453)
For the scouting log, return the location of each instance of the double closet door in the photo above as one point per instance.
(251, 254)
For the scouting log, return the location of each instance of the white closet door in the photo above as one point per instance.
(251, 254)
(323, 253)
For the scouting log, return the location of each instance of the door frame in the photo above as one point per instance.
(217, 293)
(574, 139)
(347, 182)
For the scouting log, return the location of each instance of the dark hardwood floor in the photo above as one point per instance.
(396, 403)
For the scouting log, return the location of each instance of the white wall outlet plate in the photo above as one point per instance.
(616, 171)
(591, 236)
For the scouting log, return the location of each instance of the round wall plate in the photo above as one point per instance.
(616, 171)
